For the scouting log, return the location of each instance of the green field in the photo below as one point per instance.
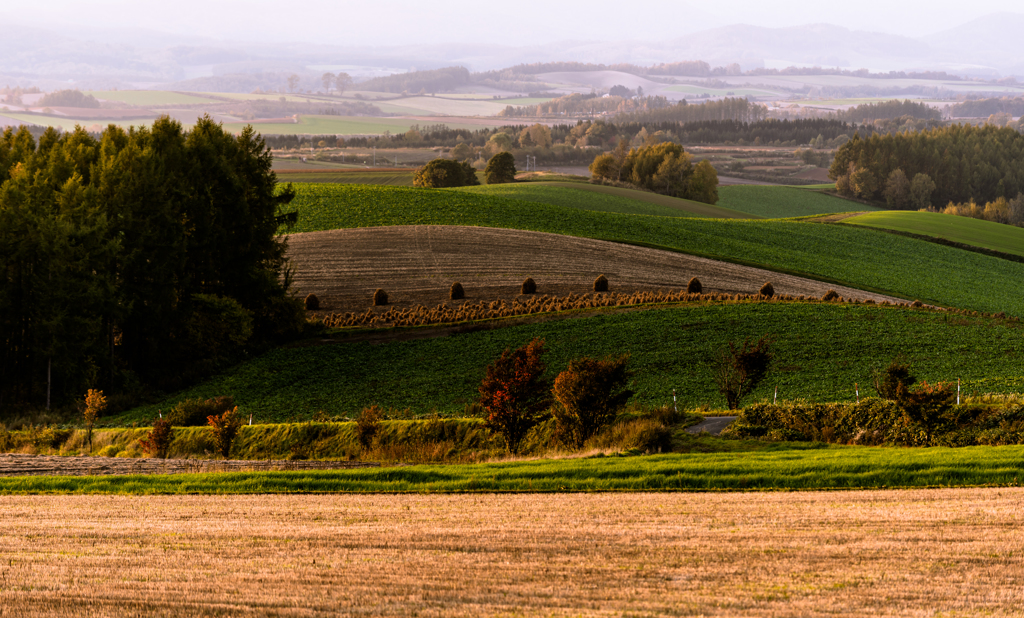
(343, 125)
(798, 468)
(964, 230)
(773, 202)
(585, 196)
(147, 98)
(822, 350)
(851, 255)
(68, 124)
(368, 177)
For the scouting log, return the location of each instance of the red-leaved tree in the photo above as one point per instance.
(515, 393)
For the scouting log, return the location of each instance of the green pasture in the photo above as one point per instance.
(66, 123)
(342, 125)
(152, 97)
(443, 106)
(368, 177)
(813, 467)
(822, 350)
(738, 91)
(585, 196)
(851, 255)
(964, 230)
(775, 202)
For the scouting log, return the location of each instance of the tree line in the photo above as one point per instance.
(147, 257)
(888, 110)
(963, 162)
(981, 108)
(436, 80)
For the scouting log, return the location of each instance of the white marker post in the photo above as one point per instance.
(958, 391)
(776, 398)
(250, 418)
(856, 389)
(675, 408)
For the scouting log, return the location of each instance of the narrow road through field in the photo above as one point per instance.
(712, 424)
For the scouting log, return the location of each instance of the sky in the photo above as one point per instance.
(515, 23)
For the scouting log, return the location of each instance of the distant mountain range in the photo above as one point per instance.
(988, 47)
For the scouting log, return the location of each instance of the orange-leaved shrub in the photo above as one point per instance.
(515, 394)
(368, 425)
(225, 428)
(588, 395)
(159, 439)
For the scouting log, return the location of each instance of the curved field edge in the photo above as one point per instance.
(998, 237)
(822, 350)
(854, 256)
(775, 202)
(824, 468)
(585, 196)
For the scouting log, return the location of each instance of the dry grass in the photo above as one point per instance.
(881, 553)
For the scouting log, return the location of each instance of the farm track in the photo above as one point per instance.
(849, 553)
(416, 265)
(43, 465)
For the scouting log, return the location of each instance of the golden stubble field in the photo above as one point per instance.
(881, 553)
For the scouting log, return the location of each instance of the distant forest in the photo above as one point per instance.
(964, 162)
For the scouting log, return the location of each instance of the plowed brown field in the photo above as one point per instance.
(951, 552)
(416, 265)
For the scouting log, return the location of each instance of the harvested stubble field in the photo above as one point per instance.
(878, 553)
(416, 265)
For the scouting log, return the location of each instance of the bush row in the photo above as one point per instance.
(482, 310)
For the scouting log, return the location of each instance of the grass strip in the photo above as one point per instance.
(813, 467)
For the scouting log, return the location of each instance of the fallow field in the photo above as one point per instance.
(881, 553)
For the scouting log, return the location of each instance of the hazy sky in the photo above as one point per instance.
(515, 22)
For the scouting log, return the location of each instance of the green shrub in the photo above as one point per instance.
(601, 284)
(312, 302)
(529, 286)
(380, 298)
(501, 169)
(47, 436)
(444, 173)
(111, 450)
(589, 393)
(694, 287)
(457, 292)
(195, 412)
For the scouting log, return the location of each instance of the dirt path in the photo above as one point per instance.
(27, 465)
(416, 265)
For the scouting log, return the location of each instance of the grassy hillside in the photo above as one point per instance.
(789, 468)
(773, 202)
(964, 230)
(585, 196)
(855, 256)
(822, 350)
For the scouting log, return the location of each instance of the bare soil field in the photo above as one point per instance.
(416, 265)
(13, 464)
(865, 553)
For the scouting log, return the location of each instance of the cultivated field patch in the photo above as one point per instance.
(965, 230)
(776, 202)
(922, 552)
(417, 265)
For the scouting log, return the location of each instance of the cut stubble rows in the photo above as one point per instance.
(882, 553)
